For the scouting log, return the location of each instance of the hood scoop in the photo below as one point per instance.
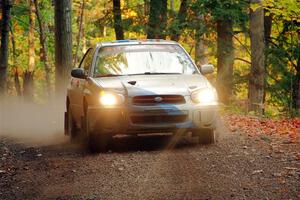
(193, 87)
(132, 82)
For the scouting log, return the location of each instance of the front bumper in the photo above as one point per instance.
(150, 119)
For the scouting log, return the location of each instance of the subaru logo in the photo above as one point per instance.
(158, 99)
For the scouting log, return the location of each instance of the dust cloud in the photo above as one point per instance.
(32, 124)
(42, 124)
(221, 127)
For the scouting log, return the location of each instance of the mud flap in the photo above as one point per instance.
(66, 123)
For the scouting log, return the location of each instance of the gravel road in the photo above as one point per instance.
(238, 167)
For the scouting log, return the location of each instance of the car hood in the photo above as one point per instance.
(153, 84)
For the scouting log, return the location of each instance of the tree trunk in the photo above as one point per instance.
(257, 72)
(200, 47)
(6, 6)
(200, 51)
(79, 31)
(118, 20)
(267, 28)
(43, 49)
(15, 68)
(146, 7)
(103, 31)
(63, 44)
(172, 5)
(180, 20)
(225, 56)
(296, 88)
(27, 82)
(27, 85)
(267, 31)
(158, 19)
(17, 82)
(84, 48)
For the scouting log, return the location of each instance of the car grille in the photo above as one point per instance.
(155, 119)
(158, 99)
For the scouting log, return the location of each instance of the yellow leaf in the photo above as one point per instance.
(255, 6)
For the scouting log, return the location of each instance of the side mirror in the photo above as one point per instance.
(78, 73)
(207, 69)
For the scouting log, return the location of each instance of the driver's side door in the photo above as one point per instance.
(77, 87)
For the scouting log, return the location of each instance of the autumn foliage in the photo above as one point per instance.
(289, 129)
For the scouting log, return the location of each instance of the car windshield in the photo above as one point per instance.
(142, 59)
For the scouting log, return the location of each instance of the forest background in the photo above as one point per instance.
(254, 44)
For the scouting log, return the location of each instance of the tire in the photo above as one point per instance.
(71, 128)
(99, 142)
(206, 136)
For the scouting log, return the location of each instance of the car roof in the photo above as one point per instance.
(135, 42)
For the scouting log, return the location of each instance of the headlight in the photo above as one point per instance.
(110, 99)
(205, 96)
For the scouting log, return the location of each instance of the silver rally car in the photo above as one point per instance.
(137, 87)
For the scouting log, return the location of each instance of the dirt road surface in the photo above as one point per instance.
(238, 167)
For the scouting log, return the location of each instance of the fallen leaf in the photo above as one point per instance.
(257, 172)
(277, 174)
(291, 168)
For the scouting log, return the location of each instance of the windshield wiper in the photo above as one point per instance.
(146, 73)
(107, 75)
(152, 73)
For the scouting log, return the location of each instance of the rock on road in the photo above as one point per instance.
(238, 167)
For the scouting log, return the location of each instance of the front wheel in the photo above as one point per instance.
(97, 140)
(206, 136)
(70, 125)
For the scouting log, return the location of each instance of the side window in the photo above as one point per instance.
(87, 60)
